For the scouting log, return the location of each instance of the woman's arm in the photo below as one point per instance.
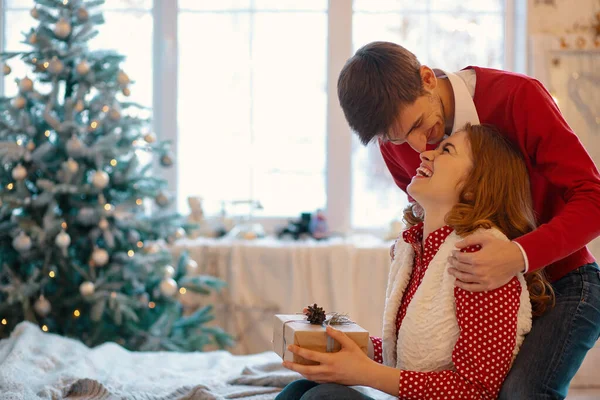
(482, 355)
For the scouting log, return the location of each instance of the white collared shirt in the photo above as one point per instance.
(464, 107)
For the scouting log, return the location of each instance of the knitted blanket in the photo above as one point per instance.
(38, 365)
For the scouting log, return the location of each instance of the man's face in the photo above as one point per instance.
(419, 123)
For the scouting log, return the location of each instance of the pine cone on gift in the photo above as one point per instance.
(315, 314)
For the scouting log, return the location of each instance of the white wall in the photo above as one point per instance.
(572, 76)
(560, 16)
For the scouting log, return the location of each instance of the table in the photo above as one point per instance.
(268, 276)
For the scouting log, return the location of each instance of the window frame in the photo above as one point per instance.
(339, 140)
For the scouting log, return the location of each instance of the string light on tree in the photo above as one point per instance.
(6, 70)
(34, 13)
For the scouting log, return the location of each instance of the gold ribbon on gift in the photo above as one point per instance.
(334, 319)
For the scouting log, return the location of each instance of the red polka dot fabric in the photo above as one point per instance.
(488, 330)
(377, 349)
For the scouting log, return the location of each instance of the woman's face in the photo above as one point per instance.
(438, 181)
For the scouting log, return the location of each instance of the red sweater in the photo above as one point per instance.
(488, 326)
(565, 183)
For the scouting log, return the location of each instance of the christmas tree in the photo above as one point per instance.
(80, 253)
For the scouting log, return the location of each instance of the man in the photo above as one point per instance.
(387, 95)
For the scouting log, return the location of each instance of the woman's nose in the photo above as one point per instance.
(428, 155)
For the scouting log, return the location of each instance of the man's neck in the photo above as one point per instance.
(446, 94)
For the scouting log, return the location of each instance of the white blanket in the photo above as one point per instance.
(38, 365)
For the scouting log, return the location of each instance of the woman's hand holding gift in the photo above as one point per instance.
(350, 366)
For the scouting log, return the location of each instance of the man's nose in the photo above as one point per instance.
(418, 141)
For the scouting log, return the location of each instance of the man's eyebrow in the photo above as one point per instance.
(414, 125)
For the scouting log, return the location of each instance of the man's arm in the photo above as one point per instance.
(556, 152)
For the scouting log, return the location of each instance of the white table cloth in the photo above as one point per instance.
(267, 277)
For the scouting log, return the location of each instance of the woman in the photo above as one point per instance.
(440, 341)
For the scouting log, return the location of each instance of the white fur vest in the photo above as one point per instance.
(430, 328)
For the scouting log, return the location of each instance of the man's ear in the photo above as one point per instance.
(428, 78)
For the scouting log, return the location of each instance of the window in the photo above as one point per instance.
(443, 34)
(244, 90)
(252, 103)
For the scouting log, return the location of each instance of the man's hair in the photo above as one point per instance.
(501, 198)
(373, 85)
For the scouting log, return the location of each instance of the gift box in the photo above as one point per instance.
(295, 329)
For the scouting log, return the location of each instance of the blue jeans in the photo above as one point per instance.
(559, 340)
(309, 390)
